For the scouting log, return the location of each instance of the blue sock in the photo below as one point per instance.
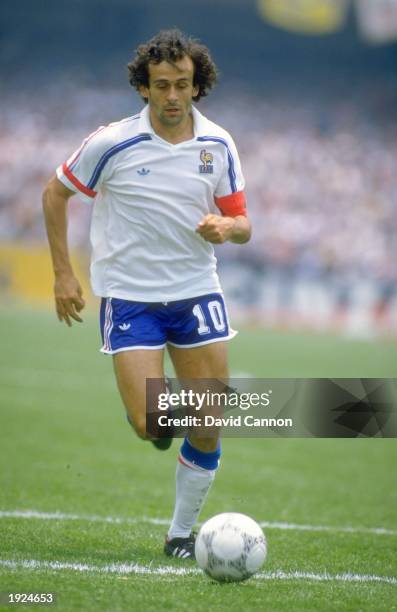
(207, 461)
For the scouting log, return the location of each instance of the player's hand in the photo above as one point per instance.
(68, 298)
(215, 229)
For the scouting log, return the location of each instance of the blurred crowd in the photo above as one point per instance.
(321, 189)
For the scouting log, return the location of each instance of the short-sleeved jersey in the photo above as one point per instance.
(149, 195)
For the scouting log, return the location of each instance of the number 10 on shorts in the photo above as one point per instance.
(216, 314)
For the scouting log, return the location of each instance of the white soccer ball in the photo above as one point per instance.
(230, 547)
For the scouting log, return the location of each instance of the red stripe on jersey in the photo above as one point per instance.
(76, 182)
(232, 205)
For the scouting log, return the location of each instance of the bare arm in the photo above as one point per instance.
(67, 290)
(217, 229)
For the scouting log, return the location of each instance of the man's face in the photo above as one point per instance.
(170, 91)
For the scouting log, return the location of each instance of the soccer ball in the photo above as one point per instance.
(230, 547)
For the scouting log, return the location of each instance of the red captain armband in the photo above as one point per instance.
(232, 205)
(73, 179)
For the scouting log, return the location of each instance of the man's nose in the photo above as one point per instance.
(172, 93)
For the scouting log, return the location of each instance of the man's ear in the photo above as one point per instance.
(144, 91)
(196, 90)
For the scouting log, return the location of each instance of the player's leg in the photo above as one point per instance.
(132, 332)
(199, 457)
(132, 368)
(208, 362)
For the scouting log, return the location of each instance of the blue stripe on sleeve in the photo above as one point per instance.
(74, 163)
(110, 152)
(231, 172)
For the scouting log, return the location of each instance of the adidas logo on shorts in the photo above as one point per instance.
(125, 326)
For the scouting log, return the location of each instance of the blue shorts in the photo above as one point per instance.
(187, 323)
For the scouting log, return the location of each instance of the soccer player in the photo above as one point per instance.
(166, 185)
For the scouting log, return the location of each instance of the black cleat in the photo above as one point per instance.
(162, 443)
(165, 441)
(180, 548)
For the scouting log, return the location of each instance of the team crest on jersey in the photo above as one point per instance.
(207, 158)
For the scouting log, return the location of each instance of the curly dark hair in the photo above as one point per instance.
(171, 46)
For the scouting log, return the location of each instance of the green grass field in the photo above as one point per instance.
(84, 505)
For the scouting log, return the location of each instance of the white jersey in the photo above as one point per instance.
(149, 195)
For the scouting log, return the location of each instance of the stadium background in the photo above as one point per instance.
(309, 95)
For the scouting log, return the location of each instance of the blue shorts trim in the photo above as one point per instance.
(126, 325)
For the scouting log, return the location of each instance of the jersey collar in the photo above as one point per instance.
(200, 123)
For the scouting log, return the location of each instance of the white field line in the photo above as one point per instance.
(135, 568)
(61, 516)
